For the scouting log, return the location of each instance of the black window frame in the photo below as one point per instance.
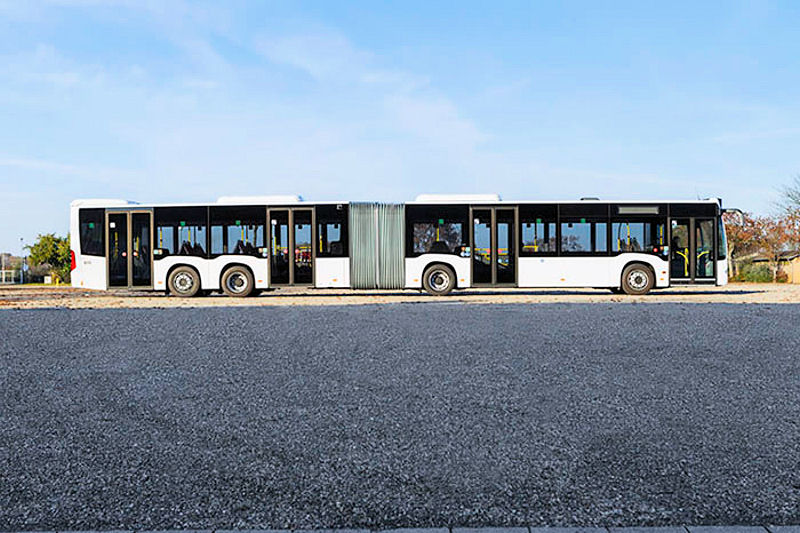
(332, 214)
(592, 222)
(97, 216)
(225, 216)
(432, 214)
(655, 220)
(195, 216)
(529, 214)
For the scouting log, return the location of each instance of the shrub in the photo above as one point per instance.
(755, 272)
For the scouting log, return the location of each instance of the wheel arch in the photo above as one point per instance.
(438, 262)
(179, 265)
(227, 266)
(637, 262)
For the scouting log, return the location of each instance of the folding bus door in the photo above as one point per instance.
(291, 246)
(493, 238)
(129, 249)
(692, 250)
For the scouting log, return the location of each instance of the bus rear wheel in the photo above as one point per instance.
(637, 279)
(238, 281)
(439, 280)
(184, 281)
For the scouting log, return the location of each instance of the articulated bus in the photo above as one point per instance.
(244, 245)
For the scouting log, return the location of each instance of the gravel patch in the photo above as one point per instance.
(383, 416)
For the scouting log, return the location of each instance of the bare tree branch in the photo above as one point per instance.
(791, 196)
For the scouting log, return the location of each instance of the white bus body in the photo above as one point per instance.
(243, 245)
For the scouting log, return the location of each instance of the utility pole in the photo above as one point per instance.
(22, 260)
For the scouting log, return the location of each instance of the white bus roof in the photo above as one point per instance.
(222, 200)
(427, 199)
(422, 199)
(457, 198)
(102, 202)
(258, 200)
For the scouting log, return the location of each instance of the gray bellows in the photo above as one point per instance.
(377, 245)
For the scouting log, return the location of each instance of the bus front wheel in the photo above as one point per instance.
(439, 280)
(184, 281)
(637, 279)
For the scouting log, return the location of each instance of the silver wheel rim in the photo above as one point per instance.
(638, 280)
(237, 283)
(439, 280)
(184, 282)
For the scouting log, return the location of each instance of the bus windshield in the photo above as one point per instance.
(722, 246)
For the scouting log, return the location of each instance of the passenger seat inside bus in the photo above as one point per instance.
(439, 247)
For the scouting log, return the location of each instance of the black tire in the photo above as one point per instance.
(238, 281)
(184, 281)
(439, 280)
(638, 279)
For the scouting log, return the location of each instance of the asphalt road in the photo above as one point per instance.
(400, 415)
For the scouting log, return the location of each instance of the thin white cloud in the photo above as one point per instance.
(755, 135)
(96, 174)
(435, 120)
(410, 105)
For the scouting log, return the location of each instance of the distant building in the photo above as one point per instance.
(788, 266)
(9, 268)
(792, 268)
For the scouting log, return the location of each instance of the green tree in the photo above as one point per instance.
(52, 250)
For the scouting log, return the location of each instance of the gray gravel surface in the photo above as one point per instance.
(400, 415)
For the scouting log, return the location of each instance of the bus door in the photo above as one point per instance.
(129, 250)
(692, 250)
(291, 246)
(493, 238)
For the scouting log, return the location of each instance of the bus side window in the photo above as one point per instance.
(91, 232)
(331, 231)
(237, 230)
(165, 241)
(630, 236)
(538, 236)
(180, 231)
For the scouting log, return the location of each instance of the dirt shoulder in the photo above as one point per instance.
(33, 297)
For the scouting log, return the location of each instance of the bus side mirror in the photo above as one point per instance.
(738, 212)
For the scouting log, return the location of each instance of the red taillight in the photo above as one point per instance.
(72, 260)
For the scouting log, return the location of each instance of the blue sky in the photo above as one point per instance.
(187, 101)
